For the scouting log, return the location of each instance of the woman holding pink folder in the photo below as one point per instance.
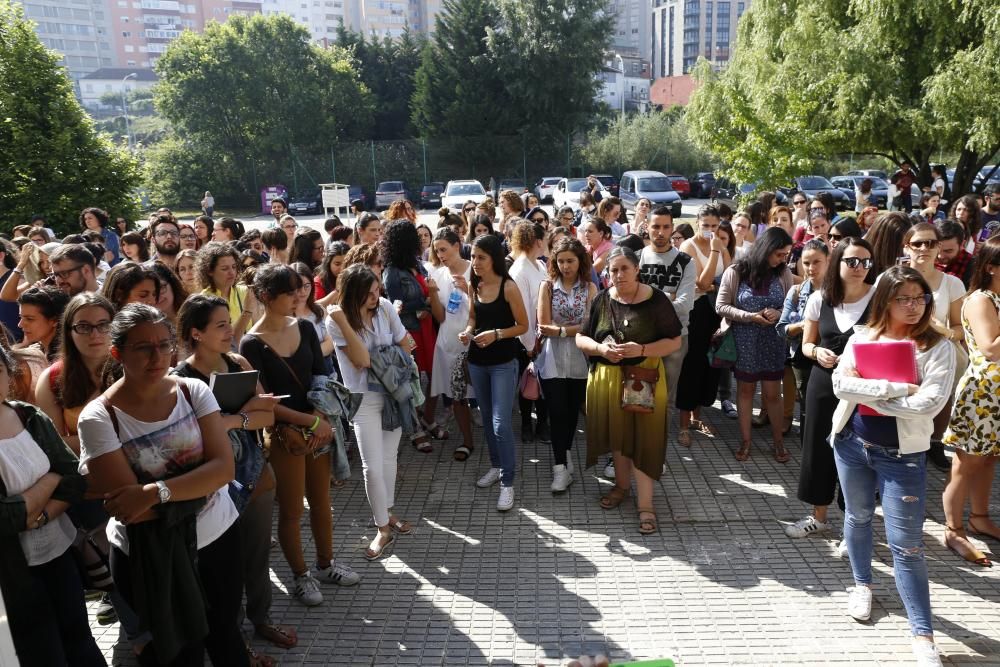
(885, 451)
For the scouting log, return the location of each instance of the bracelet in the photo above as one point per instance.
(315, 425)
(643, 351)
(498, 333)
(19, 272)
(246, 420)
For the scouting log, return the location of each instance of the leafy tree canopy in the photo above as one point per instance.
(813, 78)
(53, 162)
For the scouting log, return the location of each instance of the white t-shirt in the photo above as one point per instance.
(97, 437)
(528, 275)
(386, 330)
(846, 314)
(950, 289)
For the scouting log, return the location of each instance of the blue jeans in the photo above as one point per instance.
(901, 480)
(495, 387)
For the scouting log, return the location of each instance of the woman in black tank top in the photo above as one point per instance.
(496, 319)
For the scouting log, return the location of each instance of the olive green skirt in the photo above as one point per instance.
(640, 437)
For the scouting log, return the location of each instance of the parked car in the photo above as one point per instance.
(877, 173)
(309, 202)
(702, 184)
(880, 189)
(545, 187)
(358, 192)
(987, 176)
(811, 186)
(654, 186)
(456, 193)
(515, 184)
(681, 185)
(388, 192)
(567, 192)
(609, 182)
(729, 193)
(430, 195)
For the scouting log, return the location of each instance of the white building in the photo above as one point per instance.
(684, 30)
(113, 80)
(320, 17)
(632, 87)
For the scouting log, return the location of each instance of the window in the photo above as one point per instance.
(124, 19)
(129, 48)
(88, 87)
(131, 63)
(126, 34)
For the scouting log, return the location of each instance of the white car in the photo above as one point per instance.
(545, 187)
(456, 193)
(567, 192)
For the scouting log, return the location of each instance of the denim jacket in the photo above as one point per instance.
(792, 313)
(400, 285)
(393, 373)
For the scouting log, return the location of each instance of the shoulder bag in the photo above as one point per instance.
(292, 438)
(638, 384)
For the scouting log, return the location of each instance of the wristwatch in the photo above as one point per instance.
(163, 491)
(246, 420)
(562, 332)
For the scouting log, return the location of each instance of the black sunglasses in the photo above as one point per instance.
(855, 262)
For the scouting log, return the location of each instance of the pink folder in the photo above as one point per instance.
(893, 360)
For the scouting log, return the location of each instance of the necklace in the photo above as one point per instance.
(629, 302)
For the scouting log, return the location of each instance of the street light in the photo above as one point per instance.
(128, 131)
(619, 59)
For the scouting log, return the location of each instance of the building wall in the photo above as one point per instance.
(632, 29)
(91, 90)
(78, 29)
(684, 30)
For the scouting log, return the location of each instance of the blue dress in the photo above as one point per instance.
(760, 351)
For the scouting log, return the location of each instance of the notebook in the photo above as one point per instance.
(233, 390)
(893, 360)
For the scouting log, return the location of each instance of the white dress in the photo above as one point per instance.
(448, 347)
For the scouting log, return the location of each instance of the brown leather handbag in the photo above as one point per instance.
(639, 389)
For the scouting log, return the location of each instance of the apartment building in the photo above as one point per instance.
(78, 29)
(631, 27)
(684, 30)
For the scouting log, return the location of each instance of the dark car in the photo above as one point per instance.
(681, 185)
(811, 186)
(880, 189)
(357, 192)
(729, 193)
(609, 182)
(430, 195)
(309, 202)
(702, 184)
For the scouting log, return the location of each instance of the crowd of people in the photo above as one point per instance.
(126, 476)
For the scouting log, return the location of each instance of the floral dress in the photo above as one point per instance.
(761, 351)
(975, 417)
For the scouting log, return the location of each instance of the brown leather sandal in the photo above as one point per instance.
(743, 453)
(647, 524)
(282, 636)
(781, 454)
(965, 550)
(615, 497)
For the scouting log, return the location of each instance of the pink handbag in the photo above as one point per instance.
(529, 386)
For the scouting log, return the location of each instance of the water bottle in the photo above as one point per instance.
(454, 300)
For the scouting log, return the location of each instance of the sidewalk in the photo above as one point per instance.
(558, 576)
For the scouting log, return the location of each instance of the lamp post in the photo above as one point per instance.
(128, 130)
(619, 59)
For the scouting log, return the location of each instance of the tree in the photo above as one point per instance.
(658, 140)
(814, 78)
(254, 88)
(53, 162)
(386, 67)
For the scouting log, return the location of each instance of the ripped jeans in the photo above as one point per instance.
(901, 480)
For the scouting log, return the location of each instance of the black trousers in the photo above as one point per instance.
(219, 567)
(564, 398)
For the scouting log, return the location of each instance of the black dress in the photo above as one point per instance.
(698, 383)
(818, 474)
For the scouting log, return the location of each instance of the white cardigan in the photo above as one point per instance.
(914, 414)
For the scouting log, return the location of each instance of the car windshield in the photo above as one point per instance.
(433, 188)
(390, 186)
(877, 183)
(655, 184)
(606, 180)
(814, 183)
(576, 184)
(550, 181)
(514, 185)
(462, 189)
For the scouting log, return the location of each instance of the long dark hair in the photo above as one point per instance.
(353, 285)
(123, 278)
(326, 278)
(168, 277)
(302, 247)
(479, 219)
(491, 245)
(135, 238)
(307, 279)
(755, 268)
(886, 239)
(76, 385)
(833, 286)
(196, 313)
(400, 245)
(923, 332)
(988, 255)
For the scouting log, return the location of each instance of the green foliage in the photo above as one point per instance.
(659, 140)
(504, 67)
(52, 162)
(176, 172)
(252, 88)
(815, 78)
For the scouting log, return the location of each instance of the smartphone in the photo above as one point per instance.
(708, 235)
(902, 261)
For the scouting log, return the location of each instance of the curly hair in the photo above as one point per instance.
(363, 253)
(400, 245)
(525, 235)
(101, 215)
(569, 244)
(397, 210)
(209, 256)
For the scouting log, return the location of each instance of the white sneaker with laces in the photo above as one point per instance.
(342, 575)
(491, 477)
(306, 590)
(859, 603)
(842, 549)
(609, 470)
(806, 527)
(926, 653)
(561, 478)
(506, 500)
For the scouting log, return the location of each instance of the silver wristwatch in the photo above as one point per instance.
(163, 491)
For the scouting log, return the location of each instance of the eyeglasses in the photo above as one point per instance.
(818, 207)
(799, 202)
(539, 219)
(189, 236)
(567, 218)
(930, 244)
(86, 328)
(855, 262)
(913, 301)
(835, 237)
(164, 349)
(470, 209)
(166, 233)
(66, 273)
(676, 237)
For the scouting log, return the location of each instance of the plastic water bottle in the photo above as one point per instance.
(454, 300)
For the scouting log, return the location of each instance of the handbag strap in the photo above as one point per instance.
(185, 391)
(279, 358)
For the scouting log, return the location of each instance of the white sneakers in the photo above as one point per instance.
(859, 603)
(926, 653)
(806, 527)
(306, 590)
(842, 549)
(342, 575)
(491, 477)
(609, 470)
(506, 500)
(561, 478)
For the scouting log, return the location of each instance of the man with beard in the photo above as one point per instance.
(166, 236)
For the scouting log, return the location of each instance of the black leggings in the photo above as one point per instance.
(564, 398)
(222, 580)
